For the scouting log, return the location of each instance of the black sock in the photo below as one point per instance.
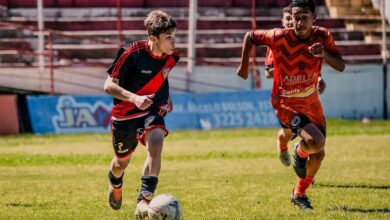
(148, 185)
(115, 182)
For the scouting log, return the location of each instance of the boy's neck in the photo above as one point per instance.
(155, 51)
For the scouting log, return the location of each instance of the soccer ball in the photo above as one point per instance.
(164, 207)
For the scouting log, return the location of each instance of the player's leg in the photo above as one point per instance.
(124, 143)
(153, 137)
(283, 137)
(308, 155)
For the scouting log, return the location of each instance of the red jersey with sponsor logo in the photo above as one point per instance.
(296, 70)
(142, 73)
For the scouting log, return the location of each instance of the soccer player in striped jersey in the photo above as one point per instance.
(284, 134)
(298, 54)
(138, 81)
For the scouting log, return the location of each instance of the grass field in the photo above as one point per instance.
(220, 174)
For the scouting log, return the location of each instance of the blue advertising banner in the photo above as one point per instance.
(69, 114)
(82, 114)
(247, 109)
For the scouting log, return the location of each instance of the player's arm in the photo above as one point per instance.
(328, 52)
(335, 61)
(321, 85)
(269, 72)
(111, 87)
(247, 45)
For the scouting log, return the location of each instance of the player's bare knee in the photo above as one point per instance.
(315, 144)
(284, 135)
(121, 163)
(155, 141)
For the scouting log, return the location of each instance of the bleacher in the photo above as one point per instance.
(221, 25)
(85, 31)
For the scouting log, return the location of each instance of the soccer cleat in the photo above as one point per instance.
(284, 157)
(299, 163)
(141, 211)
(302, 202)
(115, 197)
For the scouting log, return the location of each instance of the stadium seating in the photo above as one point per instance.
(86, 30)
(145, 3)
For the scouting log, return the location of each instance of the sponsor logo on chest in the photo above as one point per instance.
(297, 79)
(148, 72)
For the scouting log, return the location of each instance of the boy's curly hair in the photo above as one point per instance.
(158, 22)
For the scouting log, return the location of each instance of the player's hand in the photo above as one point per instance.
(165, 108)
(317, 50)
(269, 74)
(321, 86)
(242, 71)
(144, 101)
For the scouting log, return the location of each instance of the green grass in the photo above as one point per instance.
(218, 174)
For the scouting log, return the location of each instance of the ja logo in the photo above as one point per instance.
(76, 116)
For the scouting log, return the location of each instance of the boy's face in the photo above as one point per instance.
(302, 19)
(287, 20)
(165, 42)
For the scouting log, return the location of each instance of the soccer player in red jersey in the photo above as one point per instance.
(138, 81)
(284, 134)
(298, 54)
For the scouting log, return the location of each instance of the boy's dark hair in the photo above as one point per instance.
(158, 22)
(304, 4)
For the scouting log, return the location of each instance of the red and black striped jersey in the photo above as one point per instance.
(142, 73)
(296, 70)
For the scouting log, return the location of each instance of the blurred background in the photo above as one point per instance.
(54, 55)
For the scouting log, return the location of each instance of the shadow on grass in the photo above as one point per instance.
(352, 186)
(360, 210)
(26, 205)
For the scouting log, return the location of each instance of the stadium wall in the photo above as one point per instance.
(353, 94)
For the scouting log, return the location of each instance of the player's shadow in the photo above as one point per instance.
(13, 204)
(352, 186)
(360, 210)
(362, 186)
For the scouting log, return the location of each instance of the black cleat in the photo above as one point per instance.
(114, 197)
(299, 163)
(302, 202)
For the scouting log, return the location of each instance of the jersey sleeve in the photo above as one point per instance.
(121, 64)
(118, 54)
(330, 45)
(262, 37)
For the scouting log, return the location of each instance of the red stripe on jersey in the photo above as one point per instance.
(154, 85)
(136, 47)
(151, 87)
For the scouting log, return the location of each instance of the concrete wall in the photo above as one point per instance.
(353, 94)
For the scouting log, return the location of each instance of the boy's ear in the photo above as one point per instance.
(314, 17)
(152, 38)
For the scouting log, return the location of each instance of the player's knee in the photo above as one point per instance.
(121, 163)
(284, 135)
(316, 144)
(155, 142)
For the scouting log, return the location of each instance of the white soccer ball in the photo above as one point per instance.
(164, 207)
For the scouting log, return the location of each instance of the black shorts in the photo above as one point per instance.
(297, 124)
(127, 133)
